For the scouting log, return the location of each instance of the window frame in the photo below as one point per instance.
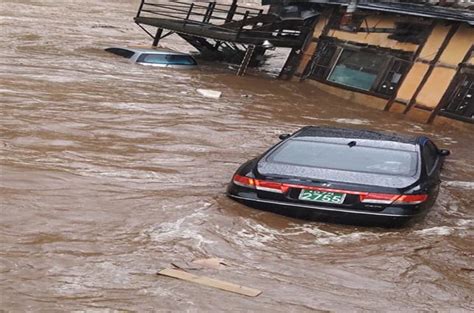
(377, 79)
(398, 62)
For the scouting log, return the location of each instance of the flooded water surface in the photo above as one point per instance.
(111, 171)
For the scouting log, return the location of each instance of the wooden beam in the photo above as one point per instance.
(246, 60)
(210, 282)
(159, 32)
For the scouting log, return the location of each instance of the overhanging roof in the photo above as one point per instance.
(421, 10)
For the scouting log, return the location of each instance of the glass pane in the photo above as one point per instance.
(357, 69)
(171, 59)
(343, 157)
(121, 52)
(153, 58)
(180, 60)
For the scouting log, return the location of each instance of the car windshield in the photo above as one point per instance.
(170, 59)
(346, 158)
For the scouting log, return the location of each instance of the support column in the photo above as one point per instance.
(159, 32)
(245, 62)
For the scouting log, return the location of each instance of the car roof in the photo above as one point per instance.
(351, 133)
(335, 135)
(151, 50)
(361, 136)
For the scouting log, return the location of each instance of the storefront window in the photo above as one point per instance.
(357, 69)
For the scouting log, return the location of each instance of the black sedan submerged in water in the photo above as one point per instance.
(343, 175)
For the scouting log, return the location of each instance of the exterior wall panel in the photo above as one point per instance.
(458, 47)
(435, 87)
(318, 30)
(311, 48)
(376, 39)
(307, 55)
(412, 81)
(434, 42)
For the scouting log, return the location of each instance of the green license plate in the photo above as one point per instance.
(322, 196)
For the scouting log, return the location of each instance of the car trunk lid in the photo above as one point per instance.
(330, 187)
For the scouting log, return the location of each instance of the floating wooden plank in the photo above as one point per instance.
(210, 282)
(209, 93)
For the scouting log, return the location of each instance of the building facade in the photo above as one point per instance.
(400, 57)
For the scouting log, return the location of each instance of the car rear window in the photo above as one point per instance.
(346, 158)
(170, 59)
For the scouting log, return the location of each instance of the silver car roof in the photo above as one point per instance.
(151, 51)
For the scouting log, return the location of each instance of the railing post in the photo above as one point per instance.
(231, 13)
(157, 38)
(140, 8)
(189, 13)
(246, 15)
(209, 12)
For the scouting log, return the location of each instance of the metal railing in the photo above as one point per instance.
(213, 13)
(240, 20)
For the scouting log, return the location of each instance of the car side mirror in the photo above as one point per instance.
(284, 136)
(444, 152)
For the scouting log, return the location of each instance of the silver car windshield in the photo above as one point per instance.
(169, 59)
(346, 158)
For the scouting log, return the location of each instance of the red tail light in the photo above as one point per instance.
(381, 198)
(411, 199)
(365, 197)
(259, 184)
(271, 186)
(244, 181)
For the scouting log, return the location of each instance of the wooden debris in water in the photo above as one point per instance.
(208, 93)
(210, 282)
(216, 263)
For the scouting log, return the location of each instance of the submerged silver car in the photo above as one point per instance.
(156, 57)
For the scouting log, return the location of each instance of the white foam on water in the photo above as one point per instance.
(312, 230)
(347, 238)
(353, 121)
(255, 235)
(323, 237)
(186, 228)
(460, 184)
(465, 222)
(436, 231)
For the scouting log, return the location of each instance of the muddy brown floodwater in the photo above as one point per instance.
(111, 171)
